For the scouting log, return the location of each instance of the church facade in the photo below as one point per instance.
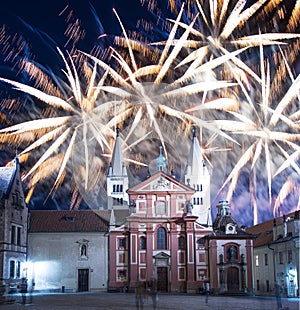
(169, 235)
(159, 230)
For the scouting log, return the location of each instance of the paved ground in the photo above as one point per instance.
(126, 301)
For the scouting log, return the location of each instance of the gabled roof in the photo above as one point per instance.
(67, 221)
(160, 181)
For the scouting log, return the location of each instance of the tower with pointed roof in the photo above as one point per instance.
(197, 176)
(117, 179)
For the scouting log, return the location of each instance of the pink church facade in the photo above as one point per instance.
(160, 239)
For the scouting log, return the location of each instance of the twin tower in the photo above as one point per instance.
(196, 176)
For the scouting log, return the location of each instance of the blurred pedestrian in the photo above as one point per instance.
(152, 291)
(140, 295)
(30, 290)
(278, 291)
(23, 290)
(207, 291)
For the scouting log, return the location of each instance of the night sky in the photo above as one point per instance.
(42, 25)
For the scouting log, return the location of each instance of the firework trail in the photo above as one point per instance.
(203, 72)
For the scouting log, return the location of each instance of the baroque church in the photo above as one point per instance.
(158, 229)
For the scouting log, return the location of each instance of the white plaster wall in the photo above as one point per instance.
(55, 259)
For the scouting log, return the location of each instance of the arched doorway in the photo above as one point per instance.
(233, 279)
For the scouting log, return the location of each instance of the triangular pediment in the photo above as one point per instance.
(161, 255)
(161, 182)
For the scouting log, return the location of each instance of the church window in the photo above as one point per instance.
(18, 271)
(200, 243)
(13, 234)
(161, 207)
(161, 239)
(142, 243)
(121, 243)
(18, 235)
(266, 259)
(181, 243)
(12, 269)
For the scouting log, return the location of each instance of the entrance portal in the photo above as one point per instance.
(232, 279)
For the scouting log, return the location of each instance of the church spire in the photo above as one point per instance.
(117, 178)
(117, 164)
(197, 176)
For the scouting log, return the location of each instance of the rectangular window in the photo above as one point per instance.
(280, 254)
(13, 234)
(121, 243)
(257, 285)
(290, 256)
(18, 271)
(12, 269)
(161, 207)
(268, 286)
(266, 259)
(256, 261)
(18, 235)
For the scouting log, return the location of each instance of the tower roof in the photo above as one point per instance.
(117, 164)
(195, 156)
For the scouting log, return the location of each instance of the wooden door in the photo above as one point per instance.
(162, 279)
(83, 280)
(232, 279)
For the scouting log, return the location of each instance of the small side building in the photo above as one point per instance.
(68, 250)
(230, 255)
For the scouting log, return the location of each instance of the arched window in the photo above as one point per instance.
(142, 243)
(181, 243)
(200, 243)
(161, 239)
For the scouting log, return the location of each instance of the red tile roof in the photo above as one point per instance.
(68, 221)
(264, 231)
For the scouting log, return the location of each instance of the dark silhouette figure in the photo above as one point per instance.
(152, 291)
(278, 291)
(206, 289)
(140, 295)
(23, 290)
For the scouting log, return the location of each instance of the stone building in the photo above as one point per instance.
(13, 228)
